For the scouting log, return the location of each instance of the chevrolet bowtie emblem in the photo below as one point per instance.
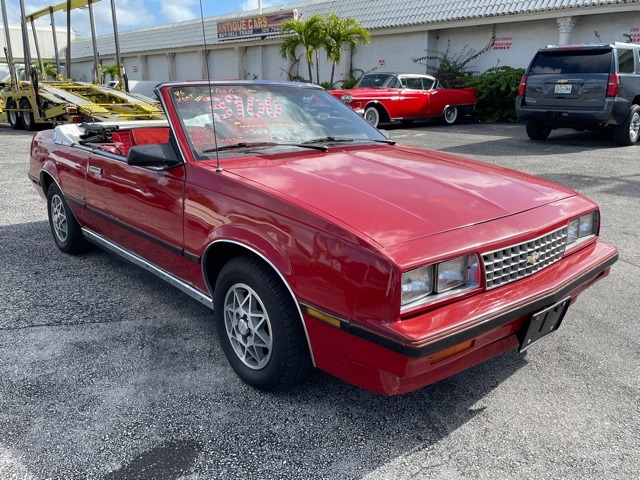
(533, 258)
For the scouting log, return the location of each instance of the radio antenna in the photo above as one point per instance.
(213, 115)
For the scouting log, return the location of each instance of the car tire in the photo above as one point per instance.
(537, 130)
(259, 326)
(450, 115)
(14, 118)
(372, 115)
(28, 120)
(628, 133)
(65, 228)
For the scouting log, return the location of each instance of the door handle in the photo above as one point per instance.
(97, 171)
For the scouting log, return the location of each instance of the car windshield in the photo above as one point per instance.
(569, 62)
(235, 119)
(382, 80)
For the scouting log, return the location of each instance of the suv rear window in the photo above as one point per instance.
(576, 61)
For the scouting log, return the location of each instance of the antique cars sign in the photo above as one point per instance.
(253, 26)
(316, 240)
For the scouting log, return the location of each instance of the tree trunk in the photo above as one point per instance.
(309, 62)
(333, 69)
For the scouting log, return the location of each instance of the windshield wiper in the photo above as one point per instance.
(327, 140)
(240, 145)
(387, 141)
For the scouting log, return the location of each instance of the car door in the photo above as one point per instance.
(415, 103)
(139, 209)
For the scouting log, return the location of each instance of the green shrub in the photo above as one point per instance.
(497, 91)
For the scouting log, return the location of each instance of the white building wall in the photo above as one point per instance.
(132, 67)
(188, 66)
(617, 27)
(392, 53)
(274, 66)
(45, 41)
(82, 71)
(253, 61)
(515, 42)
(223, 64)
(158, 68)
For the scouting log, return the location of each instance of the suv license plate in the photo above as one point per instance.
(560, 88)
(544, 322)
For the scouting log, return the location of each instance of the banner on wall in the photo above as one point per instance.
(634, 34)
(504, 42)
(253, 26)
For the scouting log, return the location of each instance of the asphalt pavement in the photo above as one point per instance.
(108, 373)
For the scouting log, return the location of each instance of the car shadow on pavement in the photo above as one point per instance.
(620, 185)
(110, 373)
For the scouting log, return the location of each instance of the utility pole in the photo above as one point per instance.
(68, 51)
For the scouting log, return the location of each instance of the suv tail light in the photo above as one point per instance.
(613, 85)
(523, 86)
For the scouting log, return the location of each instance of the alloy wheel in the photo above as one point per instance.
(248, 327)
(59, 218)
(634, 127)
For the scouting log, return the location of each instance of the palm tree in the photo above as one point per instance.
(339, 33)
(50, 70)
(111, 70)
(309, 34)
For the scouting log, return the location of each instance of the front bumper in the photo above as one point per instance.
(404, 355)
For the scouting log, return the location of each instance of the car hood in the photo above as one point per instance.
(395, 194)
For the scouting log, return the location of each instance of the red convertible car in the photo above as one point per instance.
(316, 241)
(387, 97)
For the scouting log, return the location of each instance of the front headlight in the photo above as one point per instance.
(582, 227)
(417, 284)
(346, 98)
(440, 280)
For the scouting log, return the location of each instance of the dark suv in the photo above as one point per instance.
(582, 86)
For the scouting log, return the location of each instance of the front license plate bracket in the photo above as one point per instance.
(544, 322)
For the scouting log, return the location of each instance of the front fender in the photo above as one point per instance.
(243, 237)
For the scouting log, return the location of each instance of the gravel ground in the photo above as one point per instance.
(108, 373)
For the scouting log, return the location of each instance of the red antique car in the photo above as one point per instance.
(317, 241)
(388, 97)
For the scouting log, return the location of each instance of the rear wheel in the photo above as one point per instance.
(65, 228)
(27, 115)
(450, 115)
(372, 115)
(259, 326)
(537, 130)
(628, 133)
(14, 119)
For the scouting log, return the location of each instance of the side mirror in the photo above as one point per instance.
(157, 156)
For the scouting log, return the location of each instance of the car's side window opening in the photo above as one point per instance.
(120, 142)
(414, 83)
(626, 62)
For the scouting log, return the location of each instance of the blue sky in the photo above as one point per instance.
(136, 13)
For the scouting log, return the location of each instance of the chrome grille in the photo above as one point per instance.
(518, 261)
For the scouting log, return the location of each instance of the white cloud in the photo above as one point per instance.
(186, 10)
(253, 4)
(130, 14)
